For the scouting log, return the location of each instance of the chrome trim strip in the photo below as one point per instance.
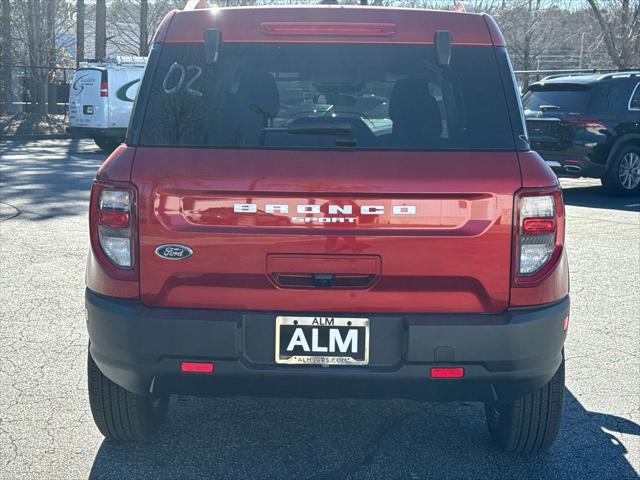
(631, 98)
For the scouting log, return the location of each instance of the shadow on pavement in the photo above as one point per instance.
(333, 439)
(46, 179)
(595, 197)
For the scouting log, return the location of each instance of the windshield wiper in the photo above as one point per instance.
(342, 131)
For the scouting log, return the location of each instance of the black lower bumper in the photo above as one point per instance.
(572, 163)
(504, 356)
(90, 132)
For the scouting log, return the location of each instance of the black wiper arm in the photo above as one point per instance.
(342, 131)
(320, 129)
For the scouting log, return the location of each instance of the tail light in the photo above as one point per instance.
(104, 89)
(583, 122)
(113, 226)
(539, 234)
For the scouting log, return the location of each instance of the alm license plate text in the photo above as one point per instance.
(322, 340)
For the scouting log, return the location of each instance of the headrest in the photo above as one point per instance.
(411, 98)
(260, 89)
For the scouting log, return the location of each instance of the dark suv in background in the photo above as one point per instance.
(588, 125)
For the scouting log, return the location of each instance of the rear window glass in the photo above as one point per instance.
(326, 96)
(557, 98)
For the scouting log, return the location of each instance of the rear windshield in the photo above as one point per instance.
(567, 98)
(326, 96)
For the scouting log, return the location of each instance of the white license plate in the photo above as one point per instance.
(322, 340)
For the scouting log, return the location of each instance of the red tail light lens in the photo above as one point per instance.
(112, 227)
(583, 122)
(539, 233)
(104, 89)
(537, 226)
(113, 218)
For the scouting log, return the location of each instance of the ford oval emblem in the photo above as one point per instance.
(172, 251)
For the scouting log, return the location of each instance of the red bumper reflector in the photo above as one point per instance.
(444, 372)
(565, 324)
(197, 367)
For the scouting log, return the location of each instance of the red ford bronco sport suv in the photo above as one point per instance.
(328, 202)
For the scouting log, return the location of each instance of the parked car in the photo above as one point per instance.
(101, 98)
(238, 251)
(588, 125)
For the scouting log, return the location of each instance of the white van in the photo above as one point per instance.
(101, 98)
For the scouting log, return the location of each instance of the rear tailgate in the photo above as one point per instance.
(548, 133)
(554, 112)
(385, 232)
(86, 107)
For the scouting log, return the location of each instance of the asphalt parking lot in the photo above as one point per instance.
(46, 430)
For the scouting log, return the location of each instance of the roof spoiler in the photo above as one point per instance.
(196, 5)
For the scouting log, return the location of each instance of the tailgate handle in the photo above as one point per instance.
(323, 280)
(323, 271)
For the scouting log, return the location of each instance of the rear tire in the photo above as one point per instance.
(106, 144)
(119, 414)
(531, 423)
(623, 175)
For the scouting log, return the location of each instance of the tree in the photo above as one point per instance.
(132, 23)
(101, 29)
(619, 21)
(39, 20)
(7, 56)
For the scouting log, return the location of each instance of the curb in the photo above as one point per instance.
(53, 136)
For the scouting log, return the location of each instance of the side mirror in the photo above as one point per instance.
(212, 41)
(442, 41)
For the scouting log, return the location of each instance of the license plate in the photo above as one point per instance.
(322, 340)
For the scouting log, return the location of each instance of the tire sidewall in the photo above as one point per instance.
(611, 181)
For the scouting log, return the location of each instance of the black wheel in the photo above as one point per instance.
(119, 414)
(106, 144)
(531, 423)
(623, 175)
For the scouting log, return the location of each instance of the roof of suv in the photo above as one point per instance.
(588, 78)
(328, 24)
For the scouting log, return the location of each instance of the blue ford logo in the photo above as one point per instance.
(173, 251)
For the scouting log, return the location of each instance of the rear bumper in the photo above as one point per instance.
(89, 132)
(576, 161)
(504, 356)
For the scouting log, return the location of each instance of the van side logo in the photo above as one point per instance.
(121, 93)
(173, 251)
(75, 83)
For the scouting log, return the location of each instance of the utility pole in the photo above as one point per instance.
(101, 29)
(144, 38)
(79, 32)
